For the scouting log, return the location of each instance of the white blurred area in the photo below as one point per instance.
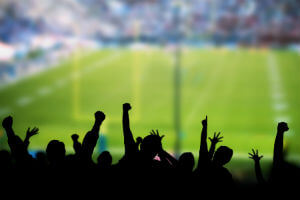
(38, 34)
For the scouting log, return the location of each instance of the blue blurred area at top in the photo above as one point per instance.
(151, 20)
(52, 29)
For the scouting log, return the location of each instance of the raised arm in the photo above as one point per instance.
(203, 159)
(16, 145)
(255, 156)
(76, 144)
(90, 139)
(7, 125)
(99, 118)
(167, 160)
(215, 140)
(130, 145)
(278, 145)
(29, 134)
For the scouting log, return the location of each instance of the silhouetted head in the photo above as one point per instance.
(186, 162)
(151, 145)
(55, 151)
(104, 159)
(223, 155)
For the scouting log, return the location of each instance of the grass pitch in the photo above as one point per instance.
(244, 92)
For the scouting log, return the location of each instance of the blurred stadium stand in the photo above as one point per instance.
(33, 31)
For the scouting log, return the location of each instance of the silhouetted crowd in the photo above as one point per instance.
(144, 163)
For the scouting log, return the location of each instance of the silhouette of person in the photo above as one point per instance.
(56, 153)
(283, 173)
(256, 157)
(18, 147)
(212, 171)
(104, 160)
(185, 165)
(76, 144)
(90, 140)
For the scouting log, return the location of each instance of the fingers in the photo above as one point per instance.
(152, 132)
(216, 138)
(255, 155)
(33, 131)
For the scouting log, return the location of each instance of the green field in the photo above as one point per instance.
(244, 92)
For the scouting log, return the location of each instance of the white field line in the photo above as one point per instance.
(24, 101)
(279, 103)
(30, 75)
(75, 75)
(86, 70)
(101, 63)
(204, 95)
(46, 90)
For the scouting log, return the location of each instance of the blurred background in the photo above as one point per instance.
(236, 61)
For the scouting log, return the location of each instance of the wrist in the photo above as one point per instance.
(98, 121)
(280, 132)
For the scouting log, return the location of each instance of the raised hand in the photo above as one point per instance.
(216, 139)
(204, 122)
(7, 122)
(130, 145)
(156, 134)
(126, 107)
(282, 127)
(75, 137)
(157, 138)
(255, 156)
(32, 132)
(99, 116)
